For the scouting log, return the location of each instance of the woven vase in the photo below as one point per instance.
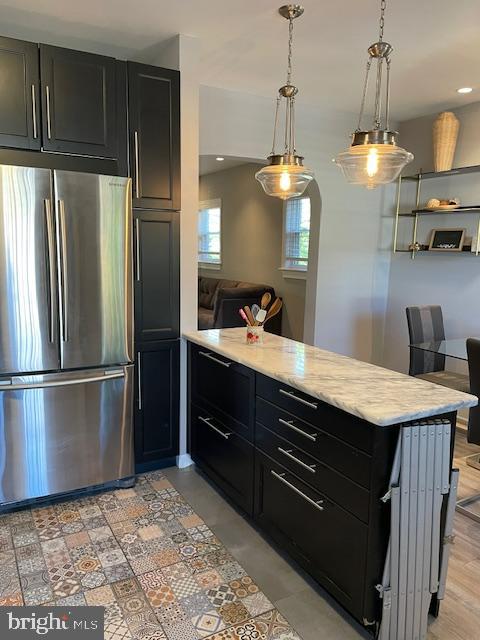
(445, 134)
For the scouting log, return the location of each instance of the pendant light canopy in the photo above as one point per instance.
(285, 176)
(374, 157)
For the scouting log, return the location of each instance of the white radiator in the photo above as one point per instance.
(417, 558)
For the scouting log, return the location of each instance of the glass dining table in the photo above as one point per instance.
(457, 348)
(454, 348)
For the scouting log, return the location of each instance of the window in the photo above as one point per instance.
(296, 234)
(209, 241)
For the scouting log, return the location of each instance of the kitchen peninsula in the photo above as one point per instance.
(323, 451)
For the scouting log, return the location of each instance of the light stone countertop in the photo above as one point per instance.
(380, 396)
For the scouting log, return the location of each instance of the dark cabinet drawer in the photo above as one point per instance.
(339, 455)
(224, 456)
(225, 388)
(329, 542)
(343, 491)
(342, 425)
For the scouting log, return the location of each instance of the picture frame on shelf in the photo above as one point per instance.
(447, 239)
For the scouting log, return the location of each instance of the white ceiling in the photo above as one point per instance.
(210, 164)
(243, 43)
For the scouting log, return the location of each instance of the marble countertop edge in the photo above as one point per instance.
(367, 391)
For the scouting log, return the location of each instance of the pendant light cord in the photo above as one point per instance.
(364, 96)
(290, 46)
(383, 4)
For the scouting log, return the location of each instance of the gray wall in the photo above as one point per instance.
(252, 239)
(450, 280)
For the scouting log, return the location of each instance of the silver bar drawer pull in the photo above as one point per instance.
(139, 381)
(281, 477)
(34, 112)
(212, 426)
(137, 249)
(291, 395)
(137, 164)
(288, 453)
(290, 425)
(210, 357)
(49, 120)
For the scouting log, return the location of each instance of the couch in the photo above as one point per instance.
(220, 300)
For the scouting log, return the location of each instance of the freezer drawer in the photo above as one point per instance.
(66, 431)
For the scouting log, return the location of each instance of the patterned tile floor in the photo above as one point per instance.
(143, 554)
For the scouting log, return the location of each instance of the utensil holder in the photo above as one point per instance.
(254, 335)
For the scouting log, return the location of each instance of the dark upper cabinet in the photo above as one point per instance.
(157, 402)
(19, 98)
(78, 102)
(156, 275)
(154, 116)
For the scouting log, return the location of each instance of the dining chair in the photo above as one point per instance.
(473, 353)
(425, 324)
(473, 434)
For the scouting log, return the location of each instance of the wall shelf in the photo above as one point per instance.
(418, 212)
(466, 251)
(431, 212)
(443, 174)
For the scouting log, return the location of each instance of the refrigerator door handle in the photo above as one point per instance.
(18, 383)
(63, 269)
(51, 267)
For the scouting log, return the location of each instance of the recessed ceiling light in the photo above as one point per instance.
(465, 90)
(219, 159)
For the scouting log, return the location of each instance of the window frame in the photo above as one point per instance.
(213, 203)
(297, 271)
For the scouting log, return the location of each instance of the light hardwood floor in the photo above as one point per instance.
(459, 617)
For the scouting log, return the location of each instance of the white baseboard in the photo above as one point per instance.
(184, 460)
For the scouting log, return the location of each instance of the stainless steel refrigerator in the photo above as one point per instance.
(66, 332)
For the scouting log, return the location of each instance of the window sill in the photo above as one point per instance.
(294, 274)
(210, 266)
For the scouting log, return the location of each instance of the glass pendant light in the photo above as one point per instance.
(374, 157)
(285, 176)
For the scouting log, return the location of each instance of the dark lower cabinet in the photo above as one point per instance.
(225, 388)
(157, 277)
(324, 538)
(19, 95)
(317, 473)
(154, 117)
(157, 402)
(224, 456)
(78, 102)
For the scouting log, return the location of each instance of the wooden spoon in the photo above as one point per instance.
(265, 300)
(274, 309)
(249, 315)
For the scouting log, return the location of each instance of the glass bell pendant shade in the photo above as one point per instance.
(284, 179)
(373, 164)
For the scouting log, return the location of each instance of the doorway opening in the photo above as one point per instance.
(249, 243)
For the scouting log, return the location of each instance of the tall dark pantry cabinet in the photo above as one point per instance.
(83, 112)
(154, 130)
